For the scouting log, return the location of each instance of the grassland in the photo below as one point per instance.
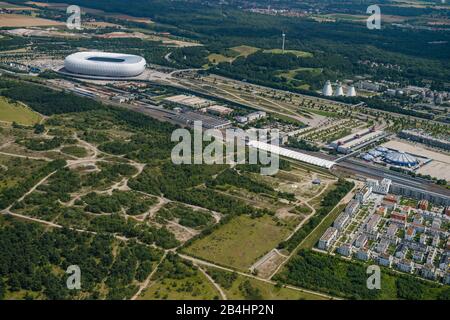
(219, 58)
(196, 287)
(177, 279)
(266, 290)
(298, 53)
(76, 151)
(14, 112)
(240, 242)
(292, 73)
(244, 51)
(234, 53)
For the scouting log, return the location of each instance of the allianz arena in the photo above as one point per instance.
(105, 64)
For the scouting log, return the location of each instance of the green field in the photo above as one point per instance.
(14, 112)
(298, 53)
(240, 242)
(244, 50)
(234, 288)
(234, 52)
(196, 287)
(178, 279)
(76, 151)
(292, 73)
(218, 58)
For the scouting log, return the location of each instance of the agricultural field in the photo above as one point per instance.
(14, 7)
(16, 112)
(240, 242)
(18, 20)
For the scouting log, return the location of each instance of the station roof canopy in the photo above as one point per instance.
(292, 154)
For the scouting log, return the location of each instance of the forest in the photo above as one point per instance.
(33, 263)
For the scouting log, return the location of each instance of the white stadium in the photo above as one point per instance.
(105, 64)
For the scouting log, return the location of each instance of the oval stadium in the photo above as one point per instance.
(105, 64)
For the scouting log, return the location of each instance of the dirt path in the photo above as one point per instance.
(222, 293)
(24, 157)
(345, 199)
(145, 284)
(33, 188)
(206, 263)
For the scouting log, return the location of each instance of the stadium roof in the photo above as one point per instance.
(292, 154)
(401, 158)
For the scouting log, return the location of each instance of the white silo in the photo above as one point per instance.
(351, 92)
(339, 91)
(327, 89)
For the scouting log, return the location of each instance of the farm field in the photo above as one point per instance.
(14, 112)
(18, 20)
(240, 242)
(13, 7)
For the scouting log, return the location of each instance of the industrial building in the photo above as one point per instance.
(328, 90)
(104, 64)
(422, 137)
(208, 122)
(357, 140)
(219, 110)
(251, 117)
(188, 101)
(369, 86)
